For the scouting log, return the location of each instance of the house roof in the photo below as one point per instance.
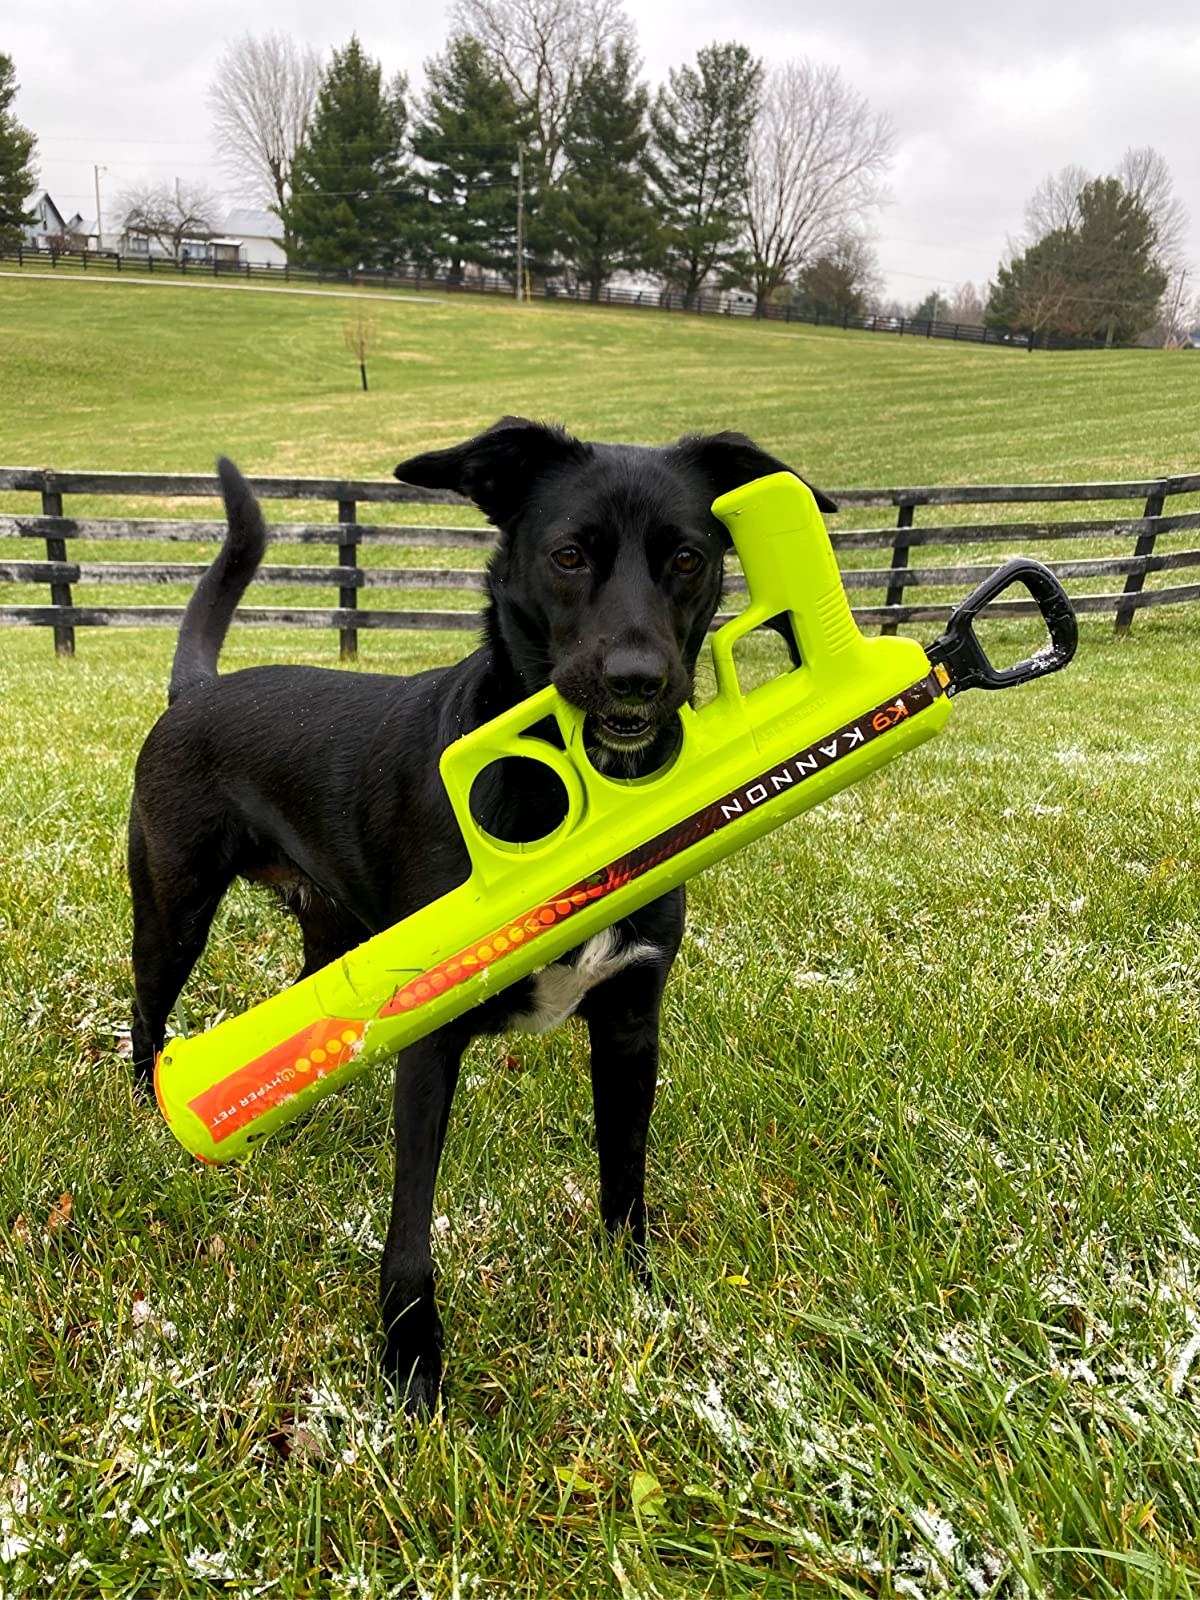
(252, 224)
(44, 199)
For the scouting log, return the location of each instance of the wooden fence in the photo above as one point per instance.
(1142, 525)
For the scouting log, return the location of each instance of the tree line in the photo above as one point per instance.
(534, 147)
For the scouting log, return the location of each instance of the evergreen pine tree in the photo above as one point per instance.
(601, 210)
(701, 124)
(1097, 275)
(1118, 261)
(349, 181)
(466, 139)
(17, 175)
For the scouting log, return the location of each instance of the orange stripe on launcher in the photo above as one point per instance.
(276, 1076)
(495, 947)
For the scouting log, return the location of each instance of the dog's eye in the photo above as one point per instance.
(688, 561)
(570, 558)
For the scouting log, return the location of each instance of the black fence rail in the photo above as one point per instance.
(346, 537)
(706, 303)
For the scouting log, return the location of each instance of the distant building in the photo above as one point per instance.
(258, 235)
(240, 238)
(50, 230)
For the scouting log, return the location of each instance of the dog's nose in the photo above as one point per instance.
(631, 675)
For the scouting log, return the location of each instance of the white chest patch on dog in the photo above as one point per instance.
(557, 990)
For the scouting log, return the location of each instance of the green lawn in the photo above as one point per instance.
(162, 377)
(924, 1177)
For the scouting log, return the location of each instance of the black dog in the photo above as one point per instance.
(607, 574)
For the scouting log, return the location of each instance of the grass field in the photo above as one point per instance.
(923, 1175)
(163, 377)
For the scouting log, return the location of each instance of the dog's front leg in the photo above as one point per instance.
(426, 1075)
(623, 1022)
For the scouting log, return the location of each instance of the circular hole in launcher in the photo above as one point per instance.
(641, 763)
(519, 800)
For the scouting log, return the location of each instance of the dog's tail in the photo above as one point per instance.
(210, 610)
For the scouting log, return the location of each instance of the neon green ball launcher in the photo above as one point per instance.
(745, 762)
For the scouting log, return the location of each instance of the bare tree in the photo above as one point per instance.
(1144, 173)
(358, 335)
(170, 215)
(543, 49)
(842, 280)
(261, 100)
(966, 305)
(1054, 205)
(817, 163)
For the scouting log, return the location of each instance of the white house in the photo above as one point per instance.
(258, 235)
(50, 230)
(241, 237)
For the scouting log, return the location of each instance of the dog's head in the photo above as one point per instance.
(609, 566)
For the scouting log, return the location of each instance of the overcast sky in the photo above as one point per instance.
(986, 99)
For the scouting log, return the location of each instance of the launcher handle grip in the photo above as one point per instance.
(790, 567)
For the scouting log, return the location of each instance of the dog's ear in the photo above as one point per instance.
(728, 460)
(496, 467)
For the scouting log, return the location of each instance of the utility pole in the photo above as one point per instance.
(96, 171)
(1174, 318)
(520, 222)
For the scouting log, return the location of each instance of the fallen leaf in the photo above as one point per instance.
(60, 1214)
(647, 1495)
(303, 1444)
(572, 1481)
(20, 1229)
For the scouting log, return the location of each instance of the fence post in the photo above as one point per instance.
(348, 596)
(1143, 547)
(895, 589)
(60, 593)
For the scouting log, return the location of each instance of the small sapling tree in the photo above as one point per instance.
(358, 334)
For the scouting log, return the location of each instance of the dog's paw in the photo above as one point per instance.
(141, 1053)
(415, 1379)
(143, 1080)
(412, 1354)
